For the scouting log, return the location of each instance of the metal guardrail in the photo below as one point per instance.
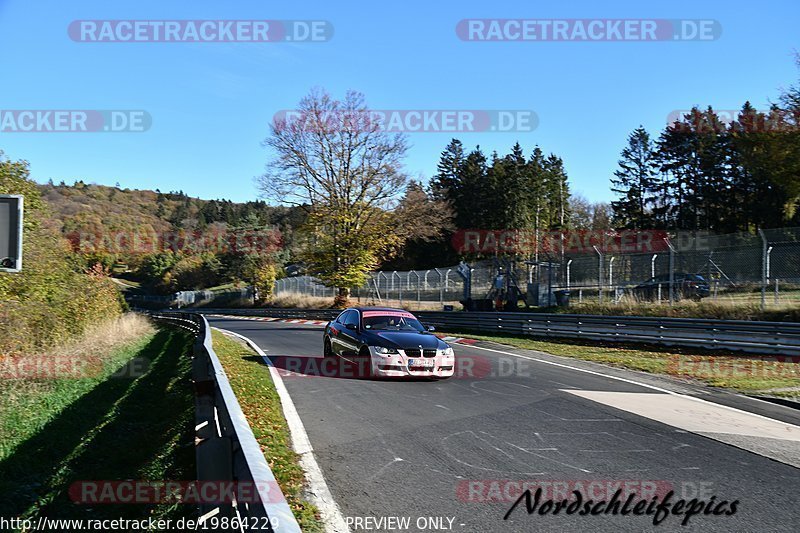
(226, 448)
(767, 338)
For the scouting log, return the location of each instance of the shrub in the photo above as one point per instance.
(53, 298)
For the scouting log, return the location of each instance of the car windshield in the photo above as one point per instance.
(392, 322)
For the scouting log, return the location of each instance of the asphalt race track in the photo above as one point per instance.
(453, 454)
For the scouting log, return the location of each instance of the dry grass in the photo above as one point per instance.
(302, 301)
(108, 336)
(95, 349)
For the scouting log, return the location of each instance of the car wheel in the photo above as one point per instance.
(327, 350)
(365, 358)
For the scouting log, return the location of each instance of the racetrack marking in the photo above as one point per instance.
(757, 444)
(626, 380)
(271, 319)
(384, 467)
(461, 461)
(319, 493)
(678, 411)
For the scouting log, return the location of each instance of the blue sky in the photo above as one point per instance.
(211, 103)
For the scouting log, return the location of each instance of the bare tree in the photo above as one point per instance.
(334, 158)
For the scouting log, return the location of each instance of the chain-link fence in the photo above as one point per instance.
(442, 285)
(742, 267)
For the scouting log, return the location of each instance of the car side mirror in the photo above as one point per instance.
(430, 328)
(352, 327)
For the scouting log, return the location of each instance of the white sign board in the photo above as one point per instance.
(10, 233)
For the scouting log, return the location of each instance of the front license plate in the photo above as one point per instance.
(421, 362)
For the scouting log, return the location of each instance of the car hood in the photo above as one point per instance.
(405, 339)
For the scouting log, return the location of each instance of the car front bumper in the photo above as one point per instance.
(396, 365)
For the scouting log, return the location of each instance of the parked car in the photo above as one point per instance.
(390, 342)
(686, 285)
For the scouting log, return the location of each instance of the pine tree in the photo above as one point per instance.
(446, 185)
(471, 208)
(635, 182)
(557, 191)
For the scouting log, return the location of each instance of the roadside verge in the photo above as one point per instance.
(279, 431)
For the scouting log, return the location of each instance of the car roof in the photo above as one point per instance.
(359, 308)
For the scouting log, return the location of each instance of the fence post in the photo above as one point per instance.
(776, 291)
(611, 273)
(569, 264)
(416, 275)
(441, 279)
(769, 255)
(653, 273)
(599, 274)
(671, 271)
(764, 266)
(378, 277)
(399, 286)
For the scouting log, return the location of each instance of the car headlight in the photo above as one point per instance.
(448, 352)
(383, 350)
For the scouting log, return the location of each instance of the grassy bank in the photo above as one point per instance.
(748, 375)
(261, 405)
(128, 417)
(719, 309)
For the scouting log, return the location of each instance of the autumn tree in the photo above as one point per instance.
(334, 158)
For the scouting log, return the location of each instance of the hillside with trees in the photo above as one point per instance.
(707, 171)
(170, 241)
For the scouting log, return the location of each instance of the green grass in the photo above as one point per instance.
(261, 405)
(106, 427)
(747, 374)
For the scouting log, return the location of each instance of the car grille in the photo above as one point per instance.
(416, 352)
